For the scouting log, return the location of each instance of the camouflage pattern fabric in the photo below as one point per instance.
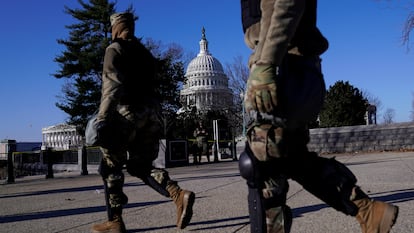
(264, 141)
(261, 89)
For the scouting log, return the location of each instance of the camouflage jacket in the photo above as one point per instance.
(284, 26)
(128, 78)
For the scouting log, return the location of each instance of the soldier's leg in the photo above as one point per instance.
(325, 178)
(333, 183)
(336, 185)
(159, 180)
(205, 151)
(115, 198)
(268, 211)
(200, 153)
(113, 179)
(194, 152)
(139, 164)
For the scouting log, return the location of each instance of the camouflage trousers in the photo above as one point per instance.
(137, 153)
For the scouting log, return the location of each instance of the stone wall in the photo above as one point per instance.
(363, 138)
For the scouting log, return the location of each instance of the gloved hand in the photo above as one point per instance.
(103, 131)
(113, 133)
(261, 89)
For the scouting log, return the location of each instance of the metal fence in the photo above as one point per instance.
(36, 162)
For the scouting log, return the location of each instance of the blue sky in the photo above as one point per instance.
(365, 49)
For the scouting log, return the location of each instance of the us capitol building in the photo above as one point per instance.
(205, 88)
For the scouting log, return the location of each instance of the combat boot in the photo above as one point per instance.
(184, 201)
(375, 216)
(116, 225)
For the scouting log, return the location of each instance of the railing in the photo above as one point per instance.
(36, 162)
(49, 161)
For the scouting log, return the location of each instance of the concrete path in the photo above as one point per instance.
(70, 202)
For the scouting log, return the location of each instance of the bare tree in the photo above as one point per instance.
(388, 116)
(373, 100)
(408, 27)
(237, 72)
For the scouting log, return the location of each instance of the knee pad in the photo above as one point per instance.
(248, 167)
(273, 188)
(330, 181)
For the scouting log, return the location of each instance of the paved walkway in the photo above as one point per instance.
(70, 202)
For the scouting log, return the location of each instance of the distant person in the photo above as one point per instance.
(201, 135)
(284, 92)
(128, 91)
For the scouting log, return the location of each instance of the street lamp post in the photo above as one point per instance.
(243, 113)
(216, 140)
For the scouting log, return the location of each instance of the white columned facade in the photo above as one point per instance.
(60, 137)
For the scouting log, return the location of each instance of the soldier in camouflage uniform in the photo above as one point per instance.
(128, 124)
(285, 91)
(200, 133)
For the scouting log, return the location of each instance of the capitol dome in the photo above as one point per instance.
(206, 84)
(204, 63)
